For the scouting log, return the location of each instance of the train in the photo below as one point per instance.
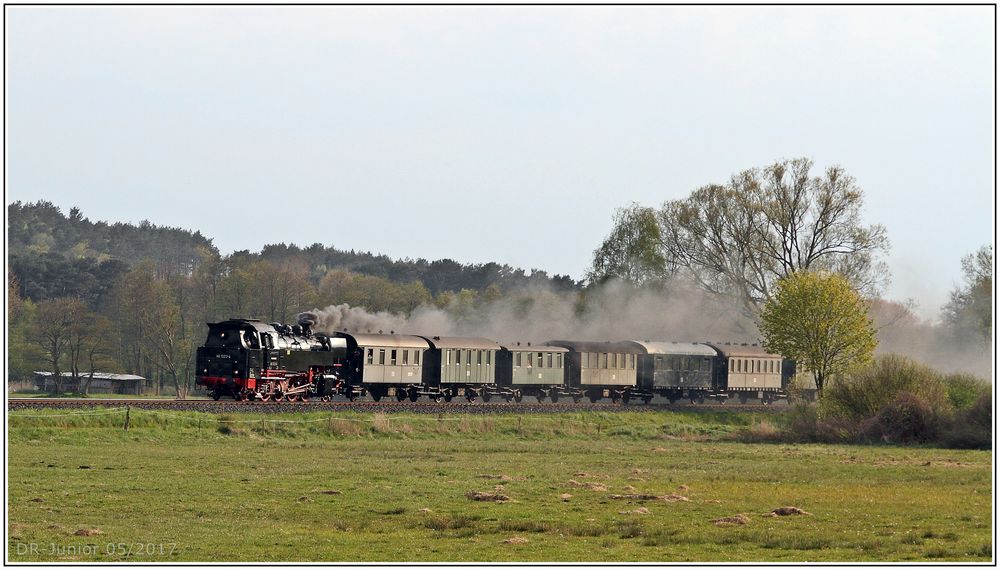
(250, 360)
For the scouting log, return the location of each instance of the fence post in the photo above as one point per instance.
(127, 408)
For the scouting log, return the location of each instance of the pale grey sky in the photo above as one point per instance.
(499, 133)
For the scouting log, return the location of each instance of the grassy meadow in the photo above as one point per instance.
(311, 487)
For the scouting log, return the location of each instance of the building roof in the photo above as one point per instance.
(97, 376)
(665, 347)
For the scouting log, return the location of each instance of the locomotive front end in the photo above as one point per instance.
(229, 363)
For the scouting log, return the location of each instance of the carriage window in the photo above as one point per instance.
(406, 357)
(371, 356)
(416, 356)
(739, 365)
(489, 357)
(458, 357)
(604, 360)
(392, 357)
(531, 359)
(550, 360)
(517, 359)
(447, 357)
(381, 356)
(479, 357)
(706, 364)
(559, 363)
(624, 361)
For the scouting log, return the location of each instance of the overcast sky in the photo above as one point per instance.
(504, 134)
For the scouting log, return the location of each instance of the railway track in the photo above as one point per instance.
(223, 406)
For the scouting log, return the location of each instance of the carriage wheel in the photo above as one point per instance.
(447, 396)
(554, 396)
(215, 394)
(400, 395)
(376, 396)
(625, 399)
(518, 397)
(594, 399)
(486, 396)
(577, 398)
(325, 399)
(414, 396)
(647, 399)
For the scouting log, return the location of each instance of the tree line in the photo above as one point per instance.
(788, 245)
(90, 296)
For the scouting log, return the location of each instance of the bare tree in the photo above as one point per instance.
(53, 329)
(738, 239)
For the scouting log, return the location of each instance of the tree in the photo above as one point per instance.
(633, 251)
(969, 311)
(738, 239)
(818, 320)
(53, 329)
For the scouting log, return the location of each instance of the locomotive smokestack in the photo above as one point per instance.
(306, 321)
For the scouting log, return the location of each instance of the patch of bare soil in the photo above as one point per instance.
(88, 532)
(565, 496)
(674, 498)
(487, 497)
(516, 540)
(304, 499)
(329, 492)
(425, 510)
(628, 489)
(733, 520)
(682, 488)
(786, 511)
(639, 511)
(36, 500)
(589, 485)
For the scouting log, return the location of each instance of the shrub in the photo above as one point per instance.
(964, 389)
(907, 419)
(863, 393)
(973, 428)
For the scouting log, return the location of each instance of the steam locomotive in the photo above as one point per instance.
(249, 360)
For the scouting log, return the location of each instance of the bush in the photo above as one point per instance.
(865, 392)
(964, 390)
(907, 419)
(806, 425)
(973, 427)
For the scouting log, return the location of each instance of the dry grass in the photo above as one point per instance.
(733, 520)
(785, 511)
(487, 497)
(589, 485)
(516, 540)
(88, 532)
(639, 511)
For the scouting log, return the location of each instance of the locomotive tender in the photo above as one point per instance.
(249, 360)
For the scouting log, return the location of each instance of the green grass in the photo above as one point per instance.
(253, 489)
